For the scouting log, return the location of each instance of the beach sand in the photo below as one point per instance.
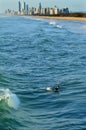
(62, 18)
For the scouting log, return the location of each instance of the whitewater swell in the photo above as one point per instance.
(9, 98)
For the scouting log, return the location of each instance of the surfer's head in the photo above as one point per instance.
(56, 89)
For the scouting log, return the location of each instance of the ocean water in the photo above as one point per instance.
(36, 54)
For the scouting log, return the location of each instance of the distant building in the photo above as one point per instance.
(40, 7)
(11, 12)
(56, 10)
(31, 10)
(27, 9)
(47, 11)
(19, 6)
(64, 11)
(36, 11)
(23, 6)
(43, 11)
(51, 11)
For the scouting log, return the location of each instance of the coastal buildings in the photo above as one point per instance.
(64, 11)
(19, 6)
(56, 10)
(24, 9)
(23, 6)
(39, 9)
(11, 12)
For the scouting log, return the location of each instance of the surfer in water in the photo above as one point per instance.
(53, 89)
(56, 89)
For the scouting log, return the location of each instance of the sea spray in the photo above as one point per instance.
(10, 98)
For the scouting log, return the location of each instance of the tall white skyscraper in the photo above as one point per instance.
(23, 6)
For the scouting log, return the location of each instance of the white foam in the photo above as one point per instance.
(58, 26)
(10, 98)
(52, 22)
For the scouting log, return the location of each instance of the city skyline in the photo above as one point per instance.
(23, 9)
(78, 5)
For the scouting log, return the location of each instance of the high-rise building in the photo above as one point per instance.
(40, 7)
(64, 11)
(51, 11)
(47, 10)
(23, 6)
(56, 10)
(19, 6)
(27, 9)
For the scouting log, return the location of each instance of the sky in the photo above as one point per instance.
(73, 5)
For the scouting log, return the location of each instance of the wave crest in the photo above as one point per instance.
(9, 98)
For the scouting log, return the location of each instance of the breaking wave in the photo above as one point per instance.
(9, 98)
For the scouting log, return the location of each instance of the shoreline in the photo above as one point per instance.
(61, 18)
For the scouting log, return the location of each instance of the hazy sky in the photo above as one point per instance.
(73, 5)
